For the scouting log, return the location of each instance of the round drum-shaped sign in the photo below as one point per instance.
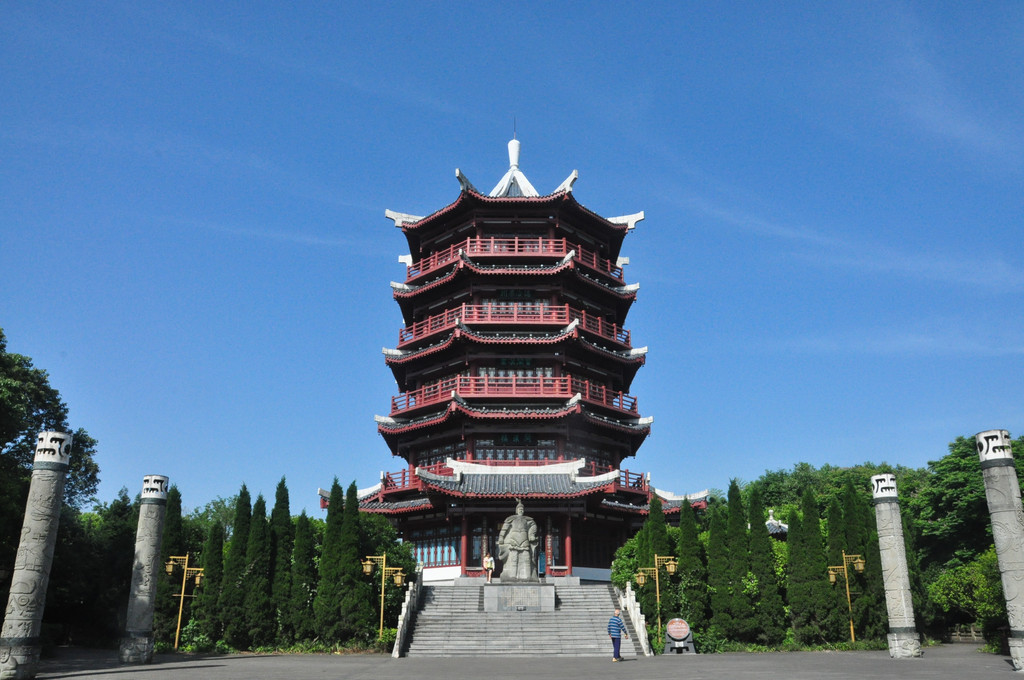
(678, 629)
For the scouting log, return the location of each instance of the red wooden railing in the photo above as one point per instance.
(596, 393)
(481, 386)
(512, 386)
(518, 313)
(633, 480)
(503, 247)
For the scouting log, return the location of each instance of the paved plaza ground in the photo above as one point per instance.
(961, 661)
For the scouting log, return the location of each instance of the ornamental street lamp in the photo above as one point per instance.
(395, 573)
(858, 563)
(194, 573)
(644, 573)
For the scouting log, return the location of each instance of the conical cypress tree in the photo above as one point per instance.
(330, 590)
(358, 613)
(660, 544)
(740, 605)
(302, 622)
(260, 617)
(869, 613)
(770, 614)
(165, 617)
(811, 598)
(655, 542)
(842, 537)
(718, 572)
(208, 594)
(281, 538)
(693, 575)
(232, 596)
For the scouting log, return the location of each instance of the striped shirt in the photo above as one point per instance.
(616, 628)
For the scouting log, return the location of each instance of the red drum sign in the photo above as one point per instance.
(678, 629)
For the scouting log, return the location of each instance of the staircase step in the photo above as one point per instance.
(450, 621)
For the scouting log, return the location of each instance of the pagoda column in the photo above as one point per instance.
(484, 538)
(568, 544)
(137, 643)
(19, 641)
(1003, 493)
(903, 639)
(464, 543)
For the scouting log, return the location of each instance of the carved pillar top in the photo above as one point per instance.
(883, 487)
(154, 488)
(994, 445)
(53, 448)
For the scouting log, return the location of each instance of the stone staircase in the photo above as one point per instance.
(451, 621)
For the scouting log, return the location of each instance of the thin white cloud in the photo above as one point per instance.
(254, 232)
(404, 93)
(196, 154)
(916, 342)
(933, 102)
(821, 249)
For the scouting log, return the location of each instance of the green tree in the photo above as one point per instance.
(212, 561)
(302, 621)
(330, 589)
(281, 538)
(358, 616)
(654, 539)
(860, 538)
(770, 614)
(232, 596)
(741, 589)
(165, 618)
(949, 510)
(973, 593)
(28, 406)
(383, 540)
(87, 598)
(811, 599)
(718, 572)
(692, 572)
(625, 563)
(260, 618)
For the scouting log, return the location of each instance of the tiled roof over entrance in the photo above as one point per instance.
(522, 484)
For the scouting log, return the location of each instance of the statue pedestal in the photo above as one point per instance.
(519, 597)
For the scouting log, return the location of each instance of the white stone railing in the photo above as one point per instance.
(628, 604)
(409, 607)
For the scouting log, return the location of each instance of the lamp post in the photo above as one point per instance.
(858, 563)
(395, 573)
(187, 572)
(643, 573)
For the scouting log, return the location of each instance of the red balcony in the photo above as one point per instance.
(512, 387)
(599, 394)
(511, 247)
(481, 387)
(513, 313)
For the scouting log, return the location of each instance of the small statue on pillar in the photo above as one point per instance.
(517, 547)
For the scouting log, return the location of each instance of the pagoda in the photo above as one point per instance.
(513, 368)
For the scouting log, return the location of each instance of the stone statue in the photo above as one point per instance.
(517, 547)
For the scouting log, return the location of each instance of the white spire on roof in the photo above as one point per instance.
(514, 183)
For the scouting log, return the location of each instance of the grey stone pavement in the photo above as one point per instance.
(961, 661)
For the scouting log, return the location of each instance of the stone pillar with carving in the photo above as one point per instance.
(137, 643)
(19, 639)
(1003, 493)
(903, 639)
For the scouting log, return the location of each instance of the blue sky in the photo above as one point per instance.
(193, 240)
